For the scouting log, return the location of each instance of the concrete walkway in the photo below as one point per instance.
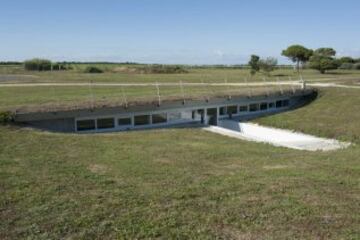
(277, 137)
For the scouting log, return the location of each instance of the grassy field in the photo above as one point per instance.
(184, 183)
(60, 97)
(51, 97)
(206, 75)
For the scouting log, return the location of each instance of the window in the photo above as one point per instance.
(278, 104)
(254, 107)
(232, 109)
(271, 105)
(124, 121)
(84, 125)
(222, 111)
(142, 120)
(263, 106)
(243, 108)
(286, 103)
(159, 118)
(174, 116)
(104, 123)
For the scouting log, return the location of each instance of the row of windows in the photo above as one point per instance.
(140, 120)
(107, 123)
(253, 107)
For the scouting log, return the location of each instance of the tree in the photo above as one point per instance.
(267, 65)
(343, 60)
(37, 64)
(325, 52)
(93, 69)
(254, 64)
(298, 54)
(322, 63)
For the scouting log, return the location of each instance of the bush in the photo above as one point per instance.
(356, 66)
(60, 66)
(346, 66)
(37, 64)
(92, 69)
(6, 117)
(164, 69)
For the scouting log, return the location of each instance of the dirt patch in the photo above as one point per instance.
(98, 168)
(268, 167)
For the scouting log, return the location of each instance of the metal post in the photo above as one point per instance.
(227, 88)
(182, 91)
(91, 95)
(247, 85)
(158, 93)
(266, 87)
(303, 83)
(206, 90)
(280, 87)
(124, 97)
(292, 85)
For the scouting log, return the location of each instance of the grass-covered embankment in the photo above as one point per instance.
(183, 183)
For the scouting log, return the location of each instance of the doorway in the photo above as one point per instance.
(212, 116)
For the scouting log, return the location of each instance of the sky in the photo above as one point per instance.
(174, 31)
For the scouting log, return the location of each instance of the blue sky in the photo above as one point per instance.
(169, 31)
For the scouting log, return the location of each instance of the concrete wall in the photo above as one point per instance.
(54, 125)
(67, 121)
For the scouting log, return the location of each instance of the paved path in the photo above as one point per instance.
(146, 84)
(274, 136)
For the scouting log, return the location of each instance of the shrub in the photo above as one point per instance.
(37, 64)
(164, 69)
(6, 117)
(92, 69)
(356, 66)
(60, 66)
(346, 66)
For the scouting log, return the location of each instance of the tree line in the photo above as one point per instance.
(321, 59)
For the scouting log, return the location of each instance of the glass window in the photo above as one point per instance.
(159, 118)
(254, 107)
(222, 111)
(278, 104)
(286, 103)
(104, 123)
(263, 106)
(83, 125)
(173, 116)
(232, 109)
(142, 120)
(271, 105)
(243, 108)
(124, 121)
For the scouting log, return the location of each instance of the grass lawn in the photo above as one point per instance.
(184, 183)
(206, 75)
(50, 97)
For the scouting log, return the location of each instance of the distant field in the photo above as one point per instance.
(13, 98)
(184, 183)
(193, 75)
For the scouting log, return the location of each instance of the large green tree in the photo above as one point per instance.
(323, 60)
(325, 52)
(298, 54)
(254, 64)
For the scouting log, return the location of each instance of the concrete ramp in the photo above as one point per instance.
(274, 136)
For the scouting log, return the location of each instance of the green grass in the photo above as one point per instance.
(50, 97)
(193, 75)
(335, 114)
(183, 183)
